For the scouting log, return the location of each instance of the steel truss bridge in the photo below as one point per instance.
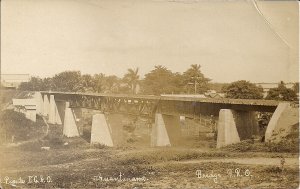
(148, 105)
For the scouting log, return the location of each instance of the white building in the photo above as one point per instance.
(27, 107)
(13, 80)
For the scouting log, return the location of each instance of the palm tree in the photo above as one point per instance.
(195, 70)
(195, 77)
(132, 79)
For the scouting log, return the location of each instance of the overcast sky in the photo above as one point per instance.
(230, 39)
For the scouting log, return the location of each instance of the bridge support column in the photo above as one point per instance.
(46, 105)
(115, 124)
(39, 103)
(70, 128)
(234, 126)
(101, 133)
(247, 124)
(227, 130)
(54, 117)
(282, 111)
(166, 131)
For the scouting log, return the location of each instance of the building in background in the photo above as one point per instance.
(13, 80)
(27, 107)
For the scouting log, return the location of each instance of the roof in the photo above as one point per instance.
(185, 95)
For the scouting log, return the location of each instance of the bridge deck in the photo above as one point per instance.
(269, 103)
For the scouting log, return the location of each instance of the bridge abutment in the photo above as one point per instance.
(283, 119)
(166, 130)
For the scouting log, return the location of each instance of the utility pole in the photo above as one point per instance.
(195, 84)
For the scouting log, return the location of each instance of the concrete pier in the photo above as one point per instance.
(58, 119)
(166, 131)
(46, 105)
(159, 136)
(52, 108)
(70, 128)
(227, 130)
(39, 103)
(246, 123)
(54, 117)
(115, 124)
(101, 133)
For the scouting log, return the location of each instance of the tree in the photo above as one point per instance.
(99, 83)
(160, 81)
(87, 83)
(34, 84)
(48, 84)
(131, 78)
(296, 87)
(111, 84)
(37, 84)
(243, 90)
(281, 93)
(67, 81)
(178, 84)
(194, 80)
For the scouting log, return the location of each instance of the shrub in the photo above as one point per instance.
(100, 146)
(243, 146)
(285, 145)
(15, 124)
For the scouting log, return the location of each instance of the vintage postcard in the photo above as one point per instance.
(149, 94)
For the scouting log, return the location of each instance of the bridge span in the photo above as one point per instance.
(237, 118)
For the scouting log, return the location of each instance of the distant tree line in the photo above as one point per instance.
(158, 81)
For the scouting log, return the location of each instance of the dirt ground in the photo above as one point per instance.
(79, 165)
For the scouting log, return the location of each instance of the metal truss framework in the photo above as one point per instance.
(148, 105)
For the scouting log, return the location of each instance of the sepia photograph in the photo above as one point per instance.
(156, 94)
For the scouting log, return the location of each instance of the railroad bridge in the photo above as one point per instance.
(236, 117)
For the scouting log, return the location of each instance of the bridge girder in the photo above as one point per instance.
(126, 105)
(147, 105)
